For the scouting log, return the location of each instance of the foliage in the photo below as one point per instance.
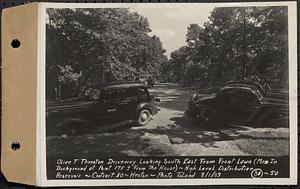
(89, 46)
(236, 43)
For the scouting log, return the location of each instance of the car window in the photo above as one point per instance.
(130, 92)
(242, 98)
(236, 97)
(224, 95)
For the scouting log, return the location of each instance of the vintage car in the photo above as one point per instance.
(241, 103)
(264, 88)
(102, 107)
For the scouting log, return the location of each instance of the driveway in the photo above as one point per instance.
(171, 133)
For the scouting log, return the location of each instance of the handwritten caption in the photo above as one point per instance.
(166, 168)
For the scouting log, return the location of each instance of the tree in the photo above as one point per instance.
(99, 45)
(179, 64)
(238, 43)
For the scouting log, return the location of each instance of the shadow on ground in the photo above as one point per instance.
(159, 141)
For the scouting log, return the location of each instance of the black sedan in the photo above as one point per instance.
(241, 103)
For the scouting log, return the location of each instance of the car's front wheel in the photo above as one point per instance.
(144, 117)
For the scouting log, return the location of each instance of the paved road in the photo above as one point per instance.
(170, 133)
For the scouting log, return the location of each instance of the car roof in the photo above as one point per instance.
(252, 88)
(241, 86)
(246, 83)
(242, 82)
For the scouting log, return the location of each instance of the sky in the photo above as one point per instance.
(170, 23)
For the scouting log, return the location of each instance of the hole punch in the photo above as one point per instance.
(15, 43)
(15, 146)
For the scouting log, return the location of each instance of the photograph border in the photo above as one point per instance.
(41, 112)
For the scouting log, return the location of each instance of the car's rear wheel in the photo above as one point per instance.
(144, 117)
(206, 115)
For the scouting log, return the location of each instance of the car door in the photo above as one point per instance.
(224, 108)
(247, 106)
(129, 102)
(107, 110)
(133, 96)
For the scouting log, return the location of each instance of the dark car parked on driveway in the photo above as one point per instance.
(109, 106)
(241, 103)
(264, 88)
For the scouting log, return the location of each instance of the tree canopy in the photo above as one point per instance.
(98, 45)
(236, 43)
